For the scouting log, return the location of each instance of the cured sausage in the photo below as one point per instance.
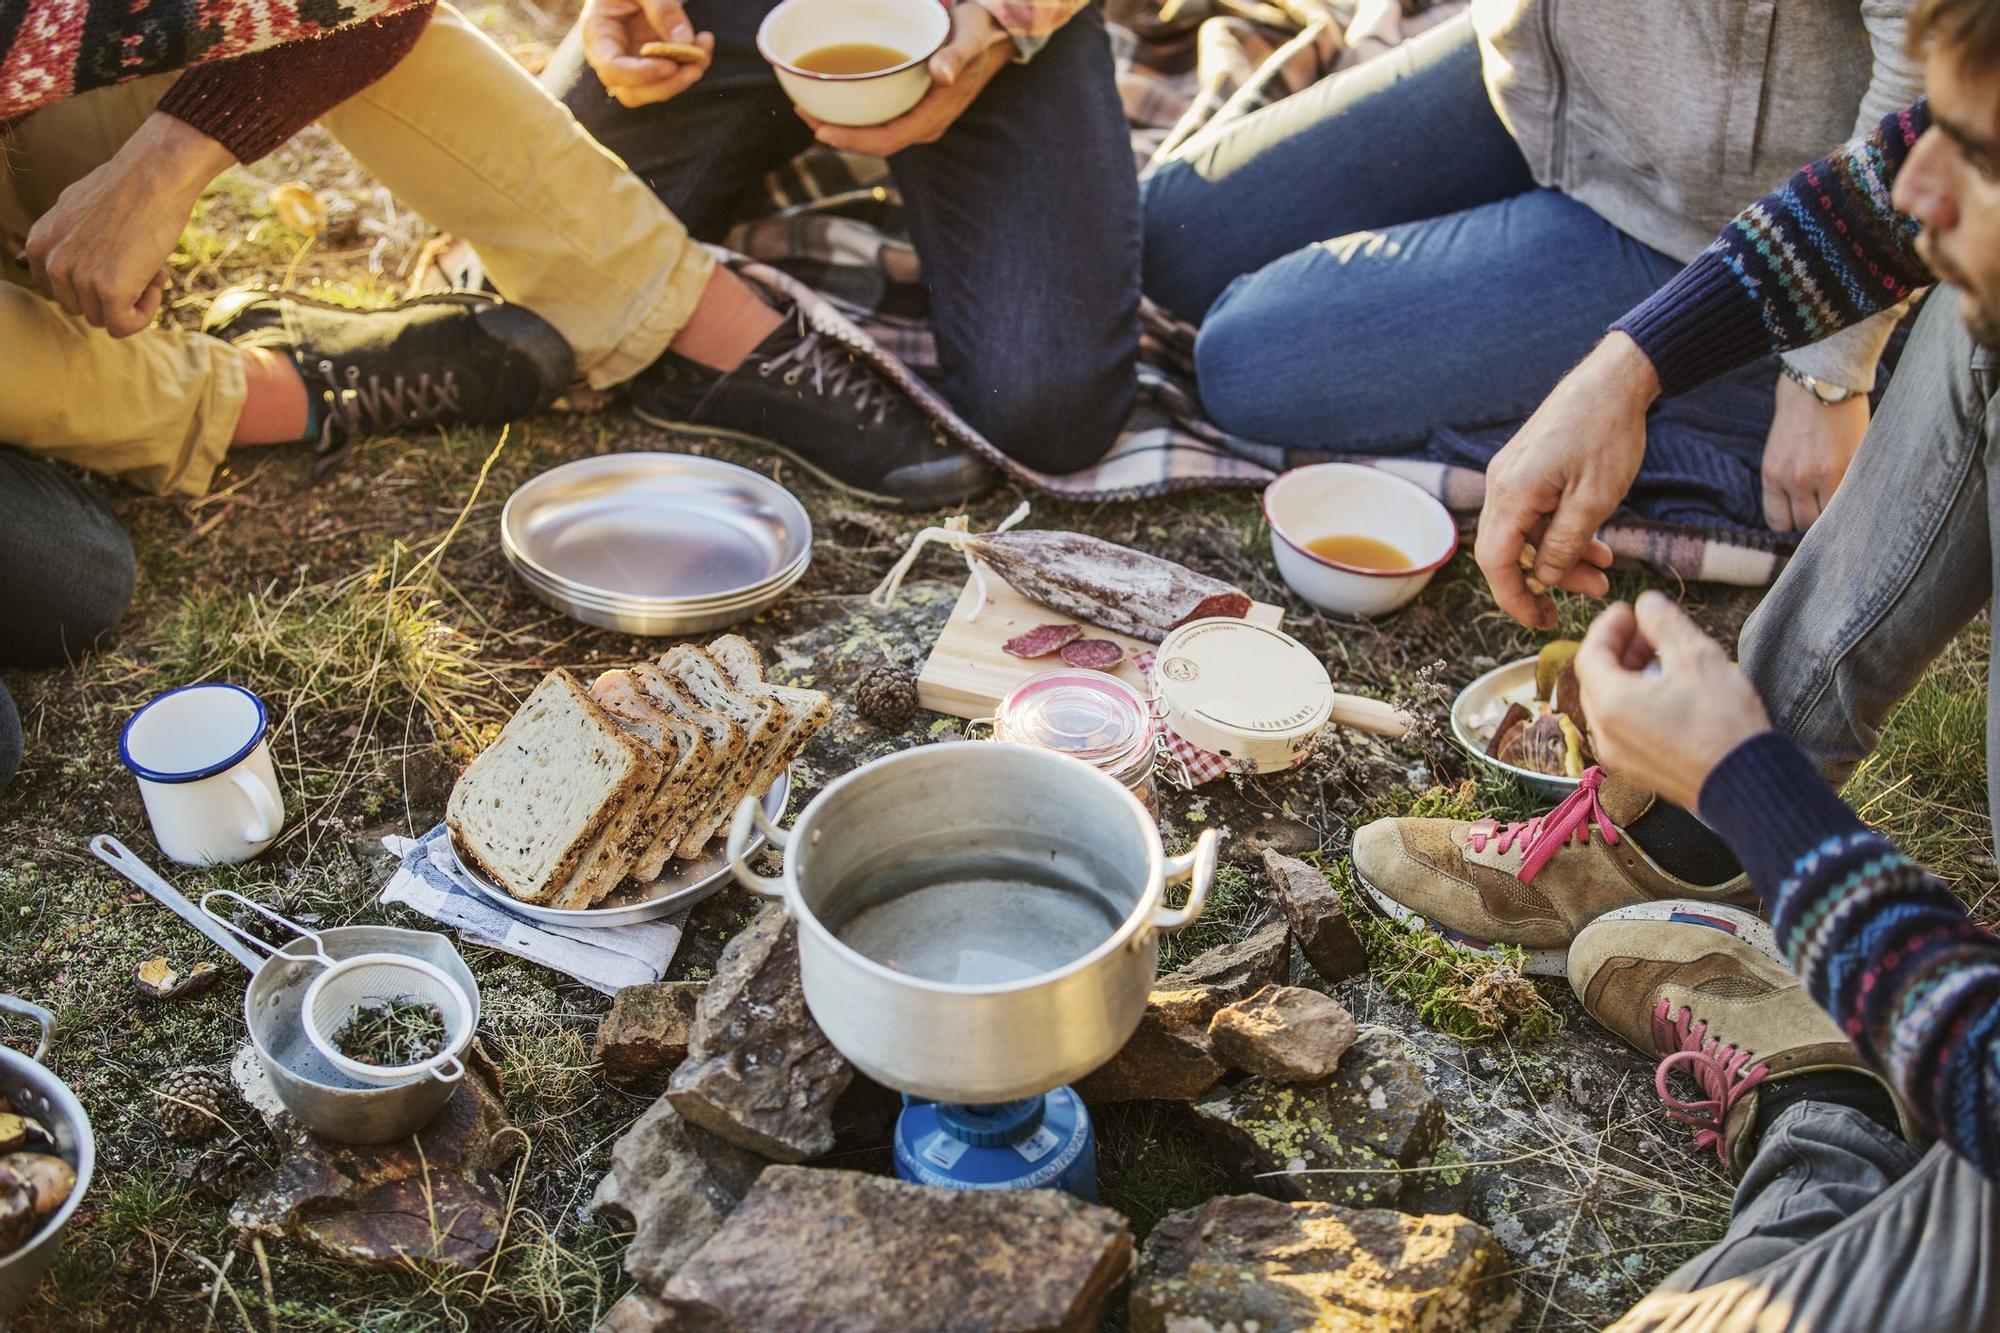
(1043, 640)
(1096, 654)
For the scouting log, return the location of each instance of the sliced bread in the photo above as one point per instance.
(761, 718)
(809, 709)
(691, 777)
(728, 742)
(535, 805)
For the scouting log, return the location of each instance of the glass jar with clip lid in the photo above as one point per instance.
(1088, 715)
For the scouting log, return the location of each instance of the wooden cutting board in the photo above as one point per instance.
(968, 673)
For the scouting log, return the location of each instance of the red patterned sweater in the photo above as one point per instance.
(261, 69)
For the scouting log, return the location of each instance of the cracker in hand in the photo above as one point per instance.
(685, 53)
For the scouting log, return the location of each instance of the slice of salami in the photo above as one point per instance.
(1096, 654)
(1043, 640)
(1232, 604)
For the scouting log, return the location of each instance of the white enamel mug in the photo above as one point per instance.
(798, 27)
(203, 761)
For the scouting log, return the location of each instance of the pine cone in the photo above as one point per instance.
(224, 1171)
(887, 695)
(189, 1102)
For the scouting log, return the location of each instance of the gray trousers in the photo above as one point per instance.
(66, 572)
(1837, 1224)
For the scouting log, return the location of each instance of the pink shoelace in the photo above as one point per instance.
(1546, 834)
(1723, 1073)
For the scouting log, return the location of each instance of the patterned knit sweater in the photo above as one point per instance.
(1822, 252)
(258, 71)
(1883, 946)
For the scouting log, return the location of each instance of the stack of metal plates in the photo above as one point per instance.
(654, 543)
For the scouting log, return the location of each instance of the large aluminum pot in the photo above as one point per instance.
(322, 1098)
(34, 1091)
(972, 821)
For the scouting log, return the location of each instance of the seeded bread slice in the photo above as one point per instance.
(534, 805)
(692, 775)
(726, 739)
(809, 709)
(762, 719)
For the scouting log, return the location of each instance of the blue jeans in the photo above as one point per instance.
(66, 573)
(1025, 215)
(1372, 264)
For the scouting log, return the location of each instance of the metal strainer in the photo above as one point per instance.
(349, 983)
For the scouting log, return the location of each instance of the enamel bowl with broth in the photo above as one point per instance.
(1355, 540)
(834, 57)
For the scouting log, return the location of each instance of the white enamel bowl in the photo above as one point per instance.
(1325, 499)
(798, 27)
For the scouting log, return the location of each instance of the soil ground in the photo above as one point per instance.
(374, 610)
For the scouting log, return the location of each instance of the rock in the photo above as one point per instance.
(842, 1252)
(1375, 1114)
(671, 1184)
(1248, 1262)
(646, 1031)
(759, 1072)
(636, 1312)
(1285, 1033)
(442, 1201)
(1326, 937)
(1169, 1056)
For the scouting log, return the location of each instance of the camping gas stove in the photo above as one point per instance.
(1044, 1141)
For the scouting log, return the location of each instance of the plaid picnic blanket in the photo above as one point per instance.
(832, 238)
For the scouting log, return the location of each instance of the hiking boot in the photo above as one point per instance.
(1533, 884)
(819, 404)
(1689, 984)
(438, 359)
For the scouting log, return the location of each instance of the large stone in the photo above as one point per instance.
(1285, 1033)
(842, 1252)
(1319, 923)
(759, 1072)
(671, 1184)
(440, 1198)
(1248, 1262)
(647, 1030)
(1169, 1056)
(1337, 1141)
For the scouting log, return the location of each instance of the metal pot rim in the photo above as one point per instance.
(86, 1150)
(1138, 919)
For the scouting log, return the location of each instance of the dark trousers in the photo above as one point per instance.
(66, 573)
(1025, 215)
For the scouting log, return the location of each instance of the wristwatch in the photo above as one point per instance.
(1827, 393)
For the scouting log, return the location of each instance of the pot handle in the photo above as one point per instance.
(750, 814)
(27, 1009)
(1198, 868)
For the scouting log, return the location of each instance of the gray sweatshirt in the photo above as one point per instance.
(1667, 117)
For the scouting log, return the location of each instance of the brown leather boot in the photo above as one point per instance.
(1532, 884)
(1688, 984)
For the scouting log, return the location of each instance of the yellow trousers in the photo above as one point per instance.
(458, 132)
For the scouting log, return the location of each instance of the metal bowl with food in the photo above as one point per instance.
(1483, 707)
(31, 1091)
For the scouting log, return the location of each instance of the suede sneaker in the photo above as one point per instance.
(439, 359)
(1701, 989)
(1532, 884)
(810, 398)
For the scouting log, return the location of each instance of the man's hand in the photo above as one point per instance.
(1668, 728)
(1561, 476)
(101, 253)
(1807, 453)
(613, 32)
(977, 49)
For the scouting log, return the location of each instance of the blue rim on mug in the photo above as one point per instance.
(210, 770)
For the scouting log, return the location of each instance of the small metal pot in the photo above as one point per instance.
(322, 1098)
(957, 815)
(34, 1091)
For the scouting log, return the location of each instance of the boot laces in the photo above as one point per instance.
(369, 404)
(835, 372)
(1722, 1072)
(1546, 834)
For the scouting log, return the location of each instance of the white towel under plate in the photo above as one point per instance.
(428, 880)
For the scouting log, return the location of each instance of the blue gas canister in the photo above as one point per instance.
(1034, 1143)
